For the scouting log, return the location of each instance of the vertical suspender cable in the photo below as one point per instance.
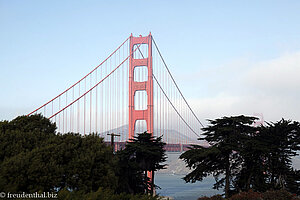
(59, 115)
(122, 99)
(116, 102)
(78, 111)
(84, 103)
(66, 111)
(63, 122)
(91, 96)
(96, 113)
(73, 107)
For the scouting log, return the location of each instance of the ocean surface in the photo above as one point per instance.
(174, 186)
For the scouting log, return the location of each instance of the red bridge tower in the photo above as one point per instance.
(134, 86)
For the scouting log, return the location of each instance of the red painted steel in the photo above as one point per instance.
(134, 86)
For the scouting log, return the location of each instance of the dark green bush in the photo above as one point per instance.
(250, 195)
(101, 194)
(278, 195)
(215, 197)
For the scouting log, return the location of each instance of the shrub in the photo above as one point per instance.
(269, 195)
(250, 195)
(215, 197)
(277, 195)
(101, 194)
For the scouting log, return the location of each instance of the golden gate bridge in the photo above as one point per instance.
(130, 92)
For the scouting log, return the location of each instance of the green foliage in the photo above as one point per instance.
(203, 161)
(141, 155)
(215, 197)
(222, 157)
(247, 157)
(33, 123)
(34, 158)
(278, 195)
(250, 195)
(87, 162)
(268, 195)
(131, 177)
(23, 134)
(149, 151)
(252, 174)
(293, 181)
(282, 142)
(267, 158)
(101, 194)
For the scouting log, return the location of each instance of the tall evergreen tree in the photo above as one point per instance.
(144, 153)
(223, 156)
(249, 158)
(253, 151)
(282, 140)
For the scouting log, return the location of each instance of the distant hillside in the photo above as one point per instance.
(175, 165)
(172, 135)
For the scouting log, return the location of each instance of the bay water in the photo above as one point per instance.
(173, 185)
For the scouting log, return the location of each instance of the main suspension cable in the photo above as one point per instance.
(80, 79)
(176, 83)
(95, 84)
(167, 95)
(173, 105)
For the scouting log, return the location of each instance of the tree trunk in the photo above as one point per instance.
(146, 179)
(152, 184)
(248, 182)
(227, 175)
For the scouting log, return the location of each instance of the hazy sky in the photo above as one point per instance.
(243, 56)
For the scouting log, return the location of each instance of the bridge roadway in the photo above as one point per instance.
(168, 147)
